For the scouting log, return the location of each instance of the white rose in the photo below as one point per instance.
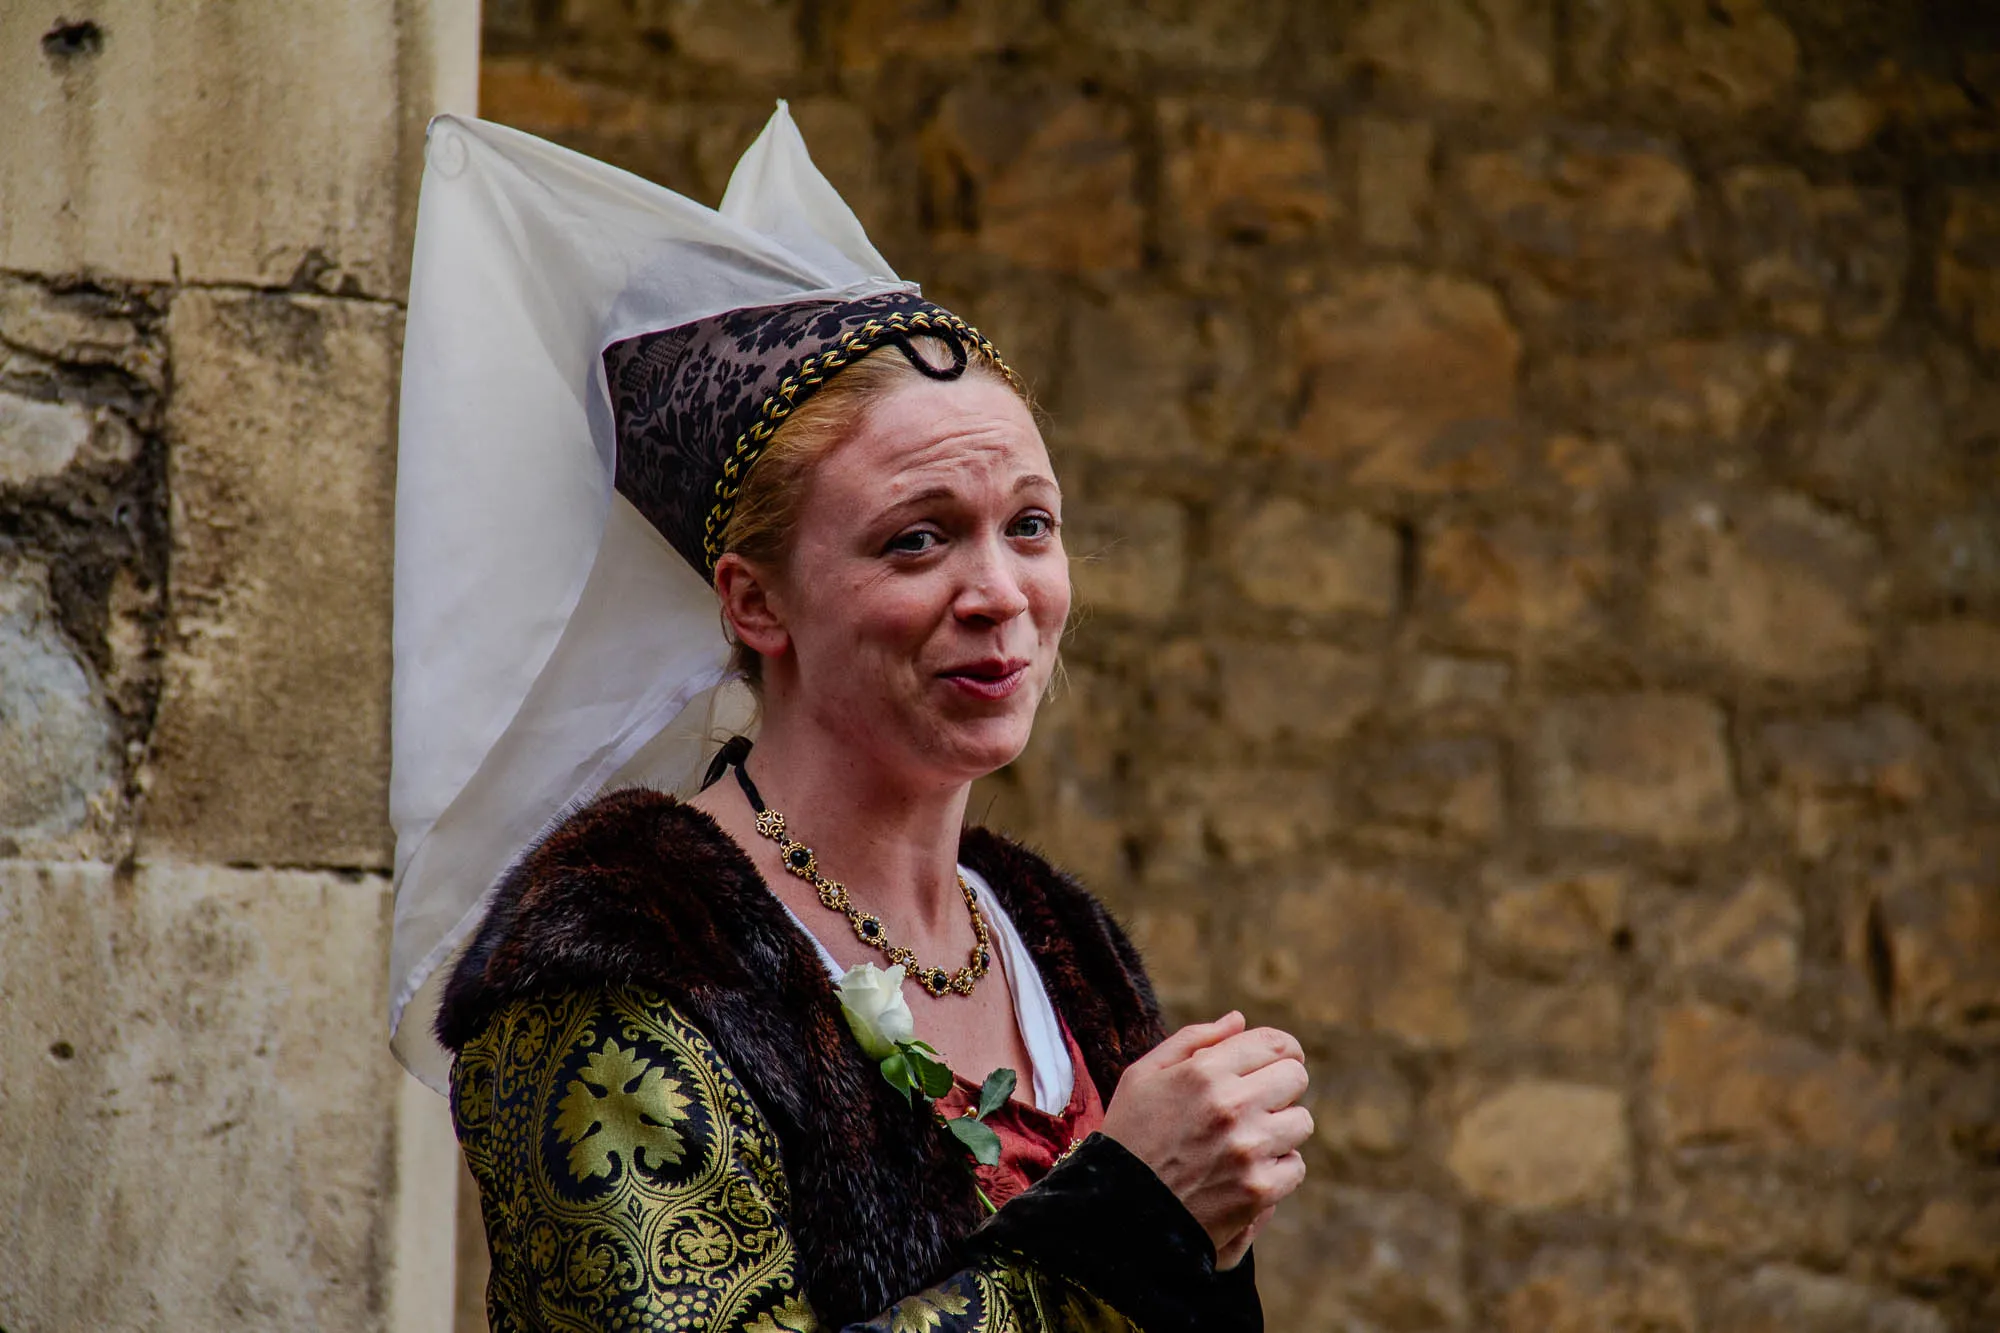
(873, 1002)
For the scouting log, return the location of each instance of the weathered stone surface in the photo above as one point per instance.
(1150, 376)
(1757, 1214)
(1245, 171)
(1181, 32)
(1044, 181)
(1725, 390)
(1454, 687)
(1950, 1237)
(1358, 952)
(1751, 939)
(83, 326)
(1582, 227)
(1362, 1109)
(1539, 1144)
(1340, 1258)
(197, 1057)
(1517, 585)
(281, 157)
(1599, 1291)
(1639, 765)
(1453, 786)
(1942, 924)
(59, 755)
(1968, 273)
(1881, 442)
(1250, 815)
(1779, 589)
(1399, 371)
(1947, 655)
(1308, 691)
(751, 37)
(1289, 557)
(1827, 768)
(1842, 121)
(38, 440)
(1781, 1299)
(1492, 52)
(1392, 165)
(1129, 559)
(1816, 260)
(876, 34)
(1722, 1079)
(1552, 921)
(1581, 1022)
(272, 741)
(1728, 57)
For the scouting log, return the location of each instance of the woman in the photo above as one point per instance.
(672, 1120)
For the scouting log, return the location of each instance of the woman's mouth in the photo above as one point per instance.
(989, 678)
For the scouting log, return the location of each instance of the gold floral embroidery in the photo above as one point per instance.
(629, 1106)
(926, 1311)
(794, 1316)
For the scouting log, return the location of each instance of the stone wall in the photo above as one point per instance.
(1534, 468)
(204, 230)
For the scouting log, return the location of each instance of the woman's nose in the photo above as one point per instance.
(993, 590)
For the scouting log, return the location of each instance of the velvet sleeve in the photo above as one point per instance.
(627, 1181)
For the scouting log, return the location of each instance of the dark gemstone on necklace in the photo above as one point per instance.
(870, 927)
(939, 979)
(984, 960)
(799, 857)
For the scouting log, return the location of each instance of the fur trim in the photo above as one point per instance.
(640, 889)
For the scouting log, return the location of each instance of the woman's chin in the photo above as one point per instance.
(974, 748)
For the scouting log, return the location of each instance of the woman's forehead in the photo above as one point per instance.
(926, 435)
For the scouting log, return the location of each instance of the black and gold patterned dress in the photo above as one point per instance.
(671, 1129)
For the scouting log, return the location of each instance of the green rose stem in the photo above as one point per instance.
(872, 1002)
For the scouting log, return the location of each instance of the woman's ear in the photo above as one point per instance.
(748, 606)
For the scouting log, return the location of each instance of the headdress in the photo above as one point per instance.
(591, 365)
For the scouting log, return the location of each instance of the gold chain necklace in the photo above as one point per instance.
(800, 861)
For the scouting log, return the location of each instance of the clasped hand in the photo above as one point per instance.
(1214, 1111)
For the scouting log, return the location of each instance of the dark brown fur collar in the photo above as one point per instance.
(638, 888)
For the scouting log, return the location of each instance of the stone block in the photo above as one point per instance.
(1598, 1291)
(1637, 765)
(1248, 815)
(1749, 1215)
(1951, 1237)
(1881, 753)
(1343, 1258)
(1749, 940)
(1552, 921)
(272, 740)
(1289, 557)
(1843, 121)
(1484, 52)
(1391, 161)
(1942, 927)
(1941, 656)
(1181, 32)
(1725, 58)
(876, 34)
(84, 326)
(202, 1100)
(1539, 1144)
(1778, 1298)
(1452, 688)
(1725, 390)
(1881, 442)
(1402, 374)
(1361, 1109)
(1174, 943)
(1245, 171)
(751, 38)
(60, 759)
(1148, 376)
(1814, 260)
(1968, 274)
(1579, 225)
(1777, 587)
(1453, 786)
(39, 440)
(1305, 691)
(1044, 180)
(1719, 1078)
(1517, 585)
(284, 157)
(1582, 1023)
(1129, 558)
(1358, 952)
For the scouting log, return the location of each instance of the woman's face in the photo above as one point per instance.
(927, 588)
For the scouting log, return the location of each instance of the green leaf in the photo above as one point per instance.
(933, 1076)
(981, 1142)
(923, 1046)
(995, 1091)
(897, 1070)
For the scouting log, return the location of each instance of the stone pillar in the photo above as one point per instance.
(205, 214)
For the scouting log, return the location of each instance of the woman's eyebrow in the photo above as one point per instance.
(1027, 481)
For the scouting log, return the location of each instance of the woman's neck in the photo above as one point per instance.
(893, 843)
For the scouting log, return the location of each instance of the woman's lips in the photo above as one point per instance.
(988, 680)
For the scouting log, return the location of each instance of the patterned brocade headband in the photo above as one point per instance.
(694, 407)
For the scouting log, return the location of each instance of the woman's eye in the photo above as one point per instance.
(913, 542)
(1032, 525)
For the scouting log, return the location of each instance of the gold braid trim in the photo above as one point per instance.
(795, 388)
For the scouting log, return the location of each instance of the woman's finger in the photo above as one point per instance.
(1192, 1038)
(1274, 1087)
(1247, 1051)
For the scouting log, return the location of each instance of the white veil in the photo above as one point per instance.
(548, 642)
